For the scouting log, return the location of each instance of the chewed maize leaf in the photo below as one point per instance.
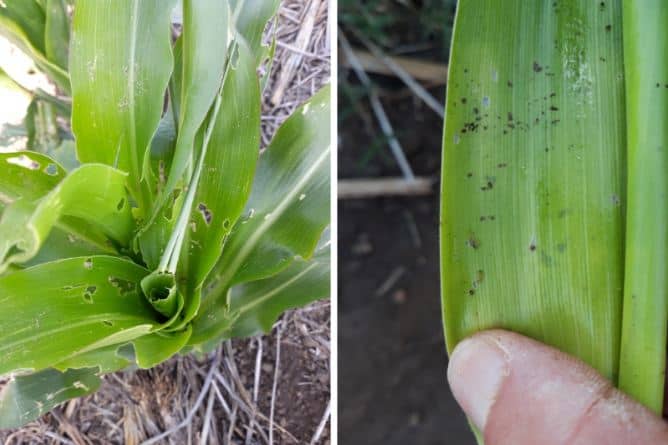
(104, 360)
(26, 224)
(69, 307)
(533, 185)
(120, 64)
(259, 303)
(57, 33)
(203, 51)
(28, 175)
(251, 20)
(25, 398)
(287, 211)
(226, 176)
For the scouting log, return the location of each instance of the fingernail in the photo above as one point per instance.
(476, 371)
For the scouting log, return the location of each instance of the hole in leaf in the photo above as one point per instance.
(24, 161)
(123, 286)
(226, 224)
(51, 170)
(88, 264)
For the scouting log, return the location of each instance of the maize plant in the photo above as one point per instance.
(170, 231)
(554, 181)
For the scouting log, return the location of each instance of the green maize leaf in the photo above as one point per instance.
(57, 33)
(176, 81)
(28, 175)
(11, 84)
(29, 16)
(25, 398)
(119, 78)
(104, 360)
(289, 205)
(203, 50)
(15, 34)
(533, 175)
(154, 349)
(160, 290)
(288, 208)
(255, 306)
(153, 239)
(156, 165)
(251, 17)
(270, 51)
(26, 224)
(259, 303)
(643, 342)
(227, 176)
(40, 122)
(78, 304)
(62, 243)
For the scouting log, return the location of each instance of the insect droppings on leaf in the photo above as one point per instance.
(206, 213)
(88, 264)
(120, 204)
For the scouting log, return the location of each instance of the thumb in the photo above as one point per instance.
(521, 392)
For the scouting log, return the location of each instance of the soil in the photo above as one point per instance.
(303, 387)
(392, 358)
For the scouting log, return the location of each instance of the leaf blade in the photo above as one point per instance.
(229, 167)
(288, 208)
(119, 78)
(26, 224)
(80, 304)
(25, 398)
(531, 231)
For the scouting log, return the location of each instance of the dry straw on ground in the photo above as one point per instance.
(272, 389)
